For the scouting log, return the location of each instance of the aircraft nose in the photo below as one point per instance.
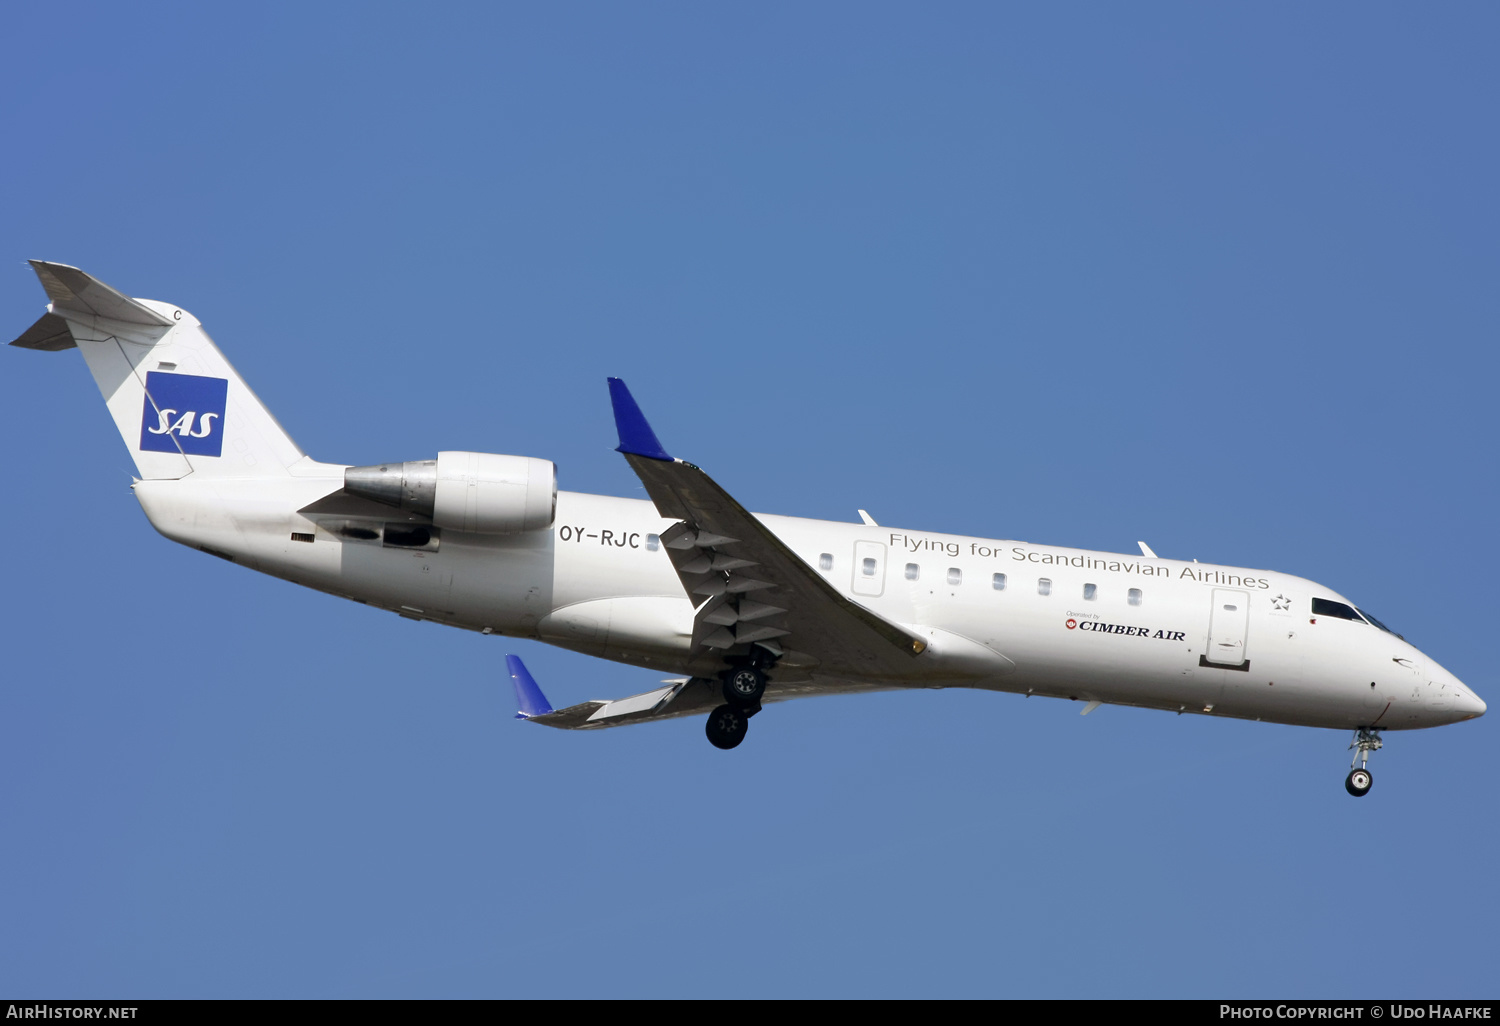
(1469, 705)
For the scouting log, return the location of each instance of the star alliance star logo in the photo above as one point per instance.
(1281, 602)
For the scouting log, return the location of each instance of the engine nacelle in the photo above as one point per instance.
(465, 491)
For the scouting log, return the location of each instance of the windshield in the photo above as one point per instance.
(1328, 607)
(1377, 623)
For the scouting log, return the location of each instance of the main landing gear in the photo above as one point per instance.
(727, 725)
(744, 684)
(1359, 780)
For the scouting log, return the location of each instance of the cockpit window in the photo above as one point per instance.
(1377, 623)
(1328, 607)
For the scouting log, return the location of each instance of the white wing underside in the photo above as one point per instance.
(682, 697)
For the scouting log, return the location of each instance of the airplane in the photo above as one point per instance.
(745, 610)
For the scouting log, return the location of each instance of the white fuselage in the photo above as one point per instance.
(1130, 630)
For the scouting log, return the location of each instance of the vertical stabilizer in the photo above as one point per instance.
(178, 404)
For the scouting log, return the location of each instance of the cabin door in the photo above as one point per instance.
(869, 568)
(1227, 627)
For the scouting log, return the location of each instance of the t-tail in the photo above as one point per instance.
(178, 404)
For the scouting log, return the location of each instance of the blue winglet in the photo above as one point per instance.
(636, 436)
(528, 696)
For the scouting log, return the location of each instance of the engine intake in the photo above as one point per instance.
(465, 491)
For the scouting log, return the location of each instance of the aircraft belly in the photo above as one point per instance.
(627, 629)
(1095, 660)
(1060, 654)
(1289, 681)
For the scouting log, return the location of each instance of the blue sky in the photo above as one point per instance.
(1221, 277)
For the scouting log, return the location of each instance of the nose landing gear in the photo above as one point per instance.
(1359, 780)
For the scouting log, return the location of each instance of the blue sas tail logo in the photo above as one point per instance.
(184, 412)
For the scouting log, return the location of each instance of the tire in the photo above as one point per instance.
(744, 686)
(1358, 782)
(726, 727)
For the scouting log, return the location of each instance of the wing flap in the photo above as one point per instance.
(751, 588)
(757, 589)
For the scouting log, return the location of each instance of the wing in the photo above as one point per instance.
(753, 589)
(685, 696)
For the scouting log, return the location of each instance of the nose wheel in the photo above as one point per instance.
(1366, 742)
(1358, 782)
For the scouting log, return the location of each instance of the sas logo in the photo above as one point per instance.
(184, 412)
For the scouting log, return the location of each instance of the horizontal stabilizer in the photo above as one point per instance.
(71, 290)
(50, 334)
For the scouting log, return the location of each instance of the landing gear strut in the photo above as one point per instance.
(1365, 743)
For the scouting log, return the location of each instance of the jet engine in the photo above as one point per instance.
(465, 491)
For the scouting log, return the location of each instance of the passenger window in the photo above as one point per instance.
(867, 567)
(825, 561)
(955, 575)
(653, 542)
(1135, 596)
(998, 582)
(1090, 592)
(1229, 609)
(1044, 586)
(913, 572)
